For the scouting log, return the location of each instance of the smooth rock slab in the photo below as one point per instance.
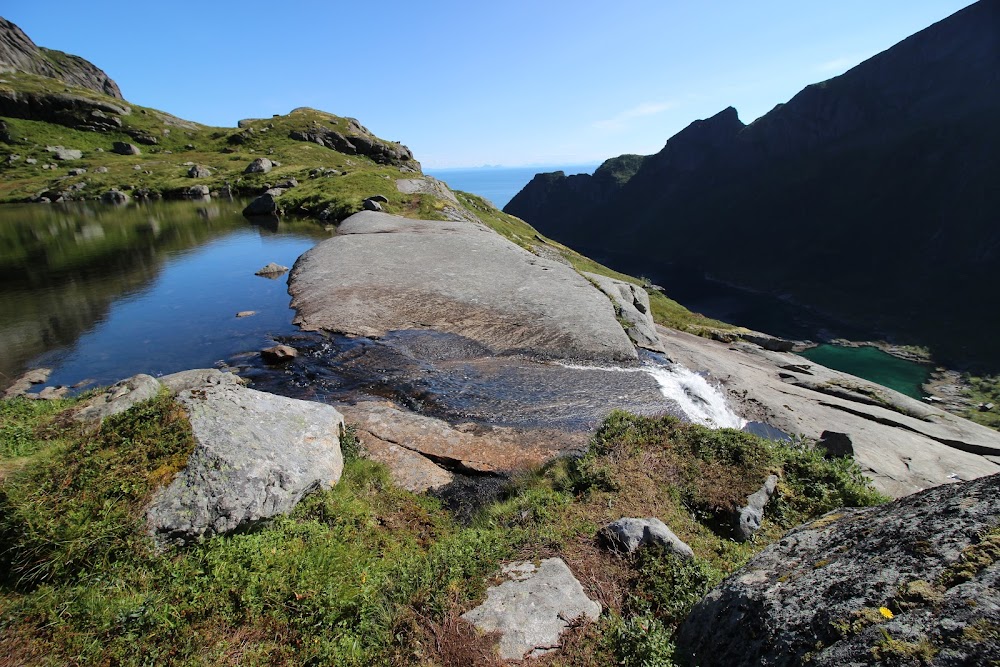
(532, 608)
(384, 273)
(256, 456)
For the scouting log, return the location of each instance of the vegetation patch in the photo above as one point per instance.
(365, 573)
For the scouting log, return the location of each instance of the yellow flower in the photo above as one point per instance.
(885, 612)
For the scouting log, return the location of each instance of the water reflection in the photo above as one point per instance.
(103, 292)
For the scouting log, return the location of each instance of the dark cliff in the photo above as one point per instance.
(871, 196)
(20, 54)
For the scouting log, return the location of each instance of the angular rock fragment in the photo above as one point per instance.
(629, 534)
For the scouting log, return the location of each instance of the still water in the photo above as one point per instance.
(100, 293)
(873, 364)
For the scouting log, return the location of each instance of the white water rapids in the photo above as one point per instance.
(700, 401)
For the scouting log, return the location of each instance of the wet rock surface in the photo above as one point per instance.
(911, 582)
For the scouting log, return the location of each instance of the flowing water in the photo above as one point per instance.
(99, 293)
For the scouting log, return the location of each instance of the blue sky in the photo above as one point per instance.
(535, 82)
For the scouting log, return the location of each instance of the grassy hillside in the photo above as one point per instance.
(365, 573)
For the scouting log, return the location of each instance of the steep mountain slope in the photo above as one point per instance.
(18, 53)
(871, 196)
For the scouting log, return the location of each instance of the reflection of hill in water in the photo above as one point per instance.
(62, 267)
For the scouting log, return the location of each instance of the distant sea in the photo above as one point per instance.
(500, 184)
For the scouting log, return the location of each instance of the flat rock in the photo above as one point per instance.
(632, 303)
(422, 451)
(903, 444)
(256, 455)
(117, 398)
(385, 273)
(928, 560)
(533, 607)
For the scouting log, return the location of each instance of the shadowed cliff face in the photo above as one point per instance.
(870, 196)
(19, 53)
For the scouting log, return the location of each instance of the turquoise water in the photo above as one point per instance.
(873, 364)
(500, 184)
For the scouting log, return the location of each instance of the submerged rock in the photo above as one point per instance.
(533, 607)
(256, 456)
(271, 270)
(915, 581)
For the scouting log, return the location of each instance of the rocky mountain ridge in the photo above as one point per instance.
(18, 53)
(867, 196)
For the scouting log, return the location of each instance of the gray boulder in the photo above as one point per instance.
(198, 171)
(123, 148)
(259, 166)
(532, 608)
(197, 192)
(264, 205)
(64, 154)
(371, 205)
(632, 305)
(117, 398)
(916, 581)
(256, 456)
(747, 520)
(629, 534)
(77, 172)
(21, 385)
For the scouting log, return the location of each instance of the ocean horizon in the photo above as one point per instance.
(500, 184)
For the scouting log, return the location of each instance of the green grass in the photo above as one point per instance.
(983, 389)
(364, 573)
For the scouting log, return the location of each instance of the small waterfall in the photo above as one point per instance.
(700, 401)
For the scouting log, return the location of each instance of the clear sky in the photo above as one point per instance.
(475, 82)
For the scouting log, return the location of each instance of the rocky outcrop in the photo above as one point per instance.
(903, 444)
(532, 608)
(632, 307)
(18, 53)
(357, 140)
(911, 582)
(384, 273)
(893, 165)
(256, 455)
